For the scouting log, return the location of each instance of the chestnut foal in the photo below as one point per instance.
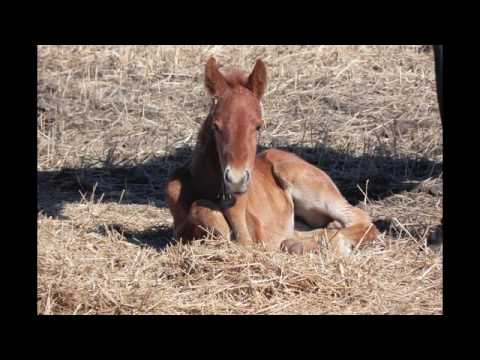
(252, 198)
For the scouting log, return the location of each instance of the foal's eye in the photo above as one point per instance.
(216, 127)
(259, 127)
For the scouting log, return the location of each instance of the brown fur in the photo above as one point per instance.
(235, 77)
(281, 187)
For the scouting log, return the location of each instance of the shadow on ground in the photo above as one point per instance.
(157, 237)
(144, 184)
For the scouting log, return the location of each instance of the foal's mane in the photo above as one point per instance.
(235, 77)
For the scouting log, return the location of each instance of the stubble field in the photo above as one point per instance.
(114, 121)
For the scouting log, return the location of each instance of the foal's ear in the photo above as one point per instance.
(214, 80)
(257, 81)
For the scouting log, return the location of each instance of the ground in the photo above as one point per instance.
(114, 121)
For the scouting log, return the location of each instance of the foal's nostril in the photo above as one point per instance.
(246, 177)
(227, 176)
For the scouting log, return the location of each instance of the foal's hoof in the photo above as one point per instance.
(292, 247)
(334, 225)
(372, 234)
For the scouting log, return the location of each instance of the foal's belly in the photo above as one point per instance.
(271, 208)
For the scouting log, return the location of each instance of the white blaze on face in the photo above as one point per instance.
(235, 175)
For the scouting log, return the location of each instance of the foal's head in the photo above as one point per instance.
(236, 118)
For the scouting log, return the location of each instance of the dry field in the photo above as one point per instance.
(114, 121)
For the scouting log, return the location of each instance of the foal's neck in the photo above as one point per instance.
(205, 166)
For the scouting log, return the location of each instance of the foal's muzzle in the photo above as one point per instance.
(236, 181)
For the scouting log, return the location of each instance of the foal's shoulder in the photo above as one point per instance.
(275, 155)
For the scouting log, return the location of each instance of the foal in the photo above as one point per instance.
(252, 198)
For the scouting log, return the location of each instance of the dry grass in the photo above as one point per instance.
(113, 121)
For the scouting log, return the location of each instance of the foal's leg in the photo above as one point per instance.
(207, 216)
(191, 219)
(179, 199)
(318, 202)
